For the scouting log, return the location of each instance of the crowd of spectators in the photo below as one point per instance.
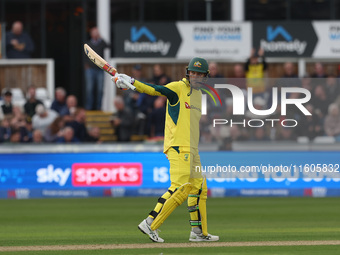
(148, 113)
(35, 123)
(144, 115)
(324, 107)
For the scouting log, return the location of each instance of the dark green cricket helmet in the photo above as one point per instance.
(198, 65)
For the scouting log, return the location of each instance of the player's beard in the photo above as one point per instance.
(196, 82)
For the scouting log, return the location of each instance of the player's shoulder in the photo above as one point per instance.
(178, 83)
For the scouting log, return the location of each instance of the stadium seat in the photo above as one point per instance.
(16, 93)
(41, 94)
(302, 139)
(324, 139)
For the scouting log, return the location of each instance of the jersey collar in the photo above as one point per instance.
(185, 80)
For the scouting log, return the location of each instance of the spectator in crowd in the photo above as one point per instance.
(37, 136)
(332, 122)
(94, 133)
(289, 78)
(260, 134)
(292, 111)
(122, 121)
(238, 77)
(259, 104)
(255, 71)
(53, 131)
(319, 76)
(235, 134)
(43, 118)
(288, 70)
(319, 71)
(31, 102)
(219, 133)
(18, 43)
(137, 72)
(286, 134)
(214, 73)
(306, 83)
(205, 133)
(332, 88)
(17, 122)
(159, 77)
(158, 117)
(320, 100)
(5, 130)
(67, 136)
(131, 97)
(27, 131)
(17, 115)
(79, 126)
(94, 75)
(214, 70)
(15, 136)
(223, 135)
(70, 109)
(7, 106)
(59, 103)
(310, 125)
(145, 104)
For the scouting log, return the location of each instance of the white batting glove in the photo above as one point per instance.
(126, 78)
(119, 83)
(123, 81)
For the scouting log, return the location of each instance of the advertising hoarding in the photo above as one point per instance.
(183, 40)
(147, 174)
(227, 40)
(215, 40)
(328, 34)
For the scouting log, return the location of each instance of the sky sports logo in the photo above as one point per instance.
(272, 44)
(93, 174)
(106, 174)
(240, 100)
(150, 46)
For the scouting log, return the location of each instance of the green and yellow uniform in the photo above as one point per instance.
(255, 74)
(181, 138)
(183, 112)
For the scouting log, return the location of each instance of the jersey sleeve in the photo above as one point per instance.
(171, 90)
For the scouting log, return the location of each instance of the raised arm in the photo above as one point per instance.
(171, 90)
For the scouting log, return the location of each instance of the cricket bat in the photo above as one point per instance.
(102, 63)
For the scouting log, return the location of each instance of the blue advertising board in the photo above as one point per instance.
(147, 174)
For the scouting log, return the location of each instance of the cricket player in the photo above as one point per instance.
(181, 148)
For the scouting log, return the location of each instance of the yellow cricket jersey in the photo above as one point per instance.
(183, 112)
(255, 75)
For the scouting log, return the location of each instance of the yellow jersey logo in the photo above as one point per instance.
(186, 157)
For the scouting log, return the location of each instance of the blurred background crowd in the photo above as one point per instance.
(143, 116)
(56, 30)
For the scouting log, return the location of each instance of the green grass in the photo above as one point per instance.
(277, 250)
(115, 220)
